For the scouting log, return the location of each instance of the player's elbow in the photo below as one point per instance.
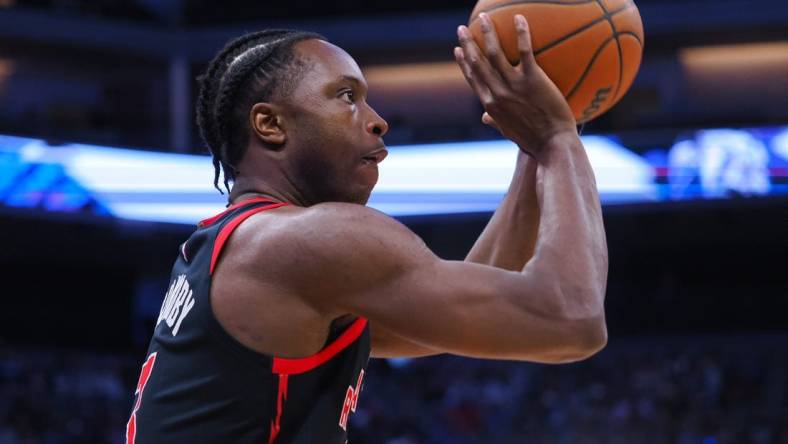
(584, 339)
(592, 340)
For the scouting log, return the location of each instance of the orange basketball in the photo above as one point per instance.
(591, 49)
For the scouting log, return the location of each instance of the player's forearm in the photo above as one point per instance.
(571, 251)
(509, 238)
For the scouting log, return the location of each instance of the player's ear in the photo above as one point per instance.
(265, 120)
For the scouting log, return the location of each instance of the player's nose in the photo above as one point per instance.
(376, 124)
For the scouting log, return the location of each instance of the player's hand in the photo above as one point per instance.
(520, 101)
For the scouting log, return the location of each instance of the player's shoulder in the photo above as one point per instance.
(325, 225)
(295, 220)
(322, 246)
(330, 212)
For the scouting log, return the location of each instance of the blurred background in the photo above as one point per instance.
(102, 175)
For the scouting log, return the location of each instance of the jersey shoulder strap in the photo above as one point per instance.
(228, 220)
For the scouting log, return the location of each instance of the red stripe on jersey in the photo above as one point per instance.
(228, 229)
(284, 366)
(131, 426)
(280, 402)
(206, 222)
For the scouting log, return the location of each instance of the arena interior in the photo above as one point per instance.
(103, 175)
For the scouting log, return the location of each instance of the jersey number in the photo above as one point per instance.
(351, 400)
(131, 426)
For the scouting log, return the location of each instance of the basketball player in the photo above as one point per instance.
(276, 304)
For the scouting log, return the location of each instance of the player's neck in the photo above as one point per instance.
(263, 172)
(249, 187)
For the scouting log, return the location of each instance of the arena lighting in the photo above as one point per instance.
(414, 180)
(473, 176)
(414, 74)
(738, 55)
(137, 185)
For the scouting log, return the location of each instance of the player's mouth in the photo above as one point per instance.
(375, 157)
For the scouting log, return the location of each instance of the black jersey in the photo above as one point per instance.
(200, 385)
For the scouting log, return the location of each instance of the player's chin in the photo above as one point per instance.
(368, 173)
(361, 194)
(358, 197)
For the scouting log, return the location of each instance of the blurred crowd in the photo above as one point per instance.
(681, 390)
(676, 391)
(59, 397)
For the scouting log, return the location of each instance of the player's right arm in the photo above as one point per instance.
(352, 259)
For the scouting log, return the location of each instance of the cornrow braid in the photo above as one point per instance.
(260, 64)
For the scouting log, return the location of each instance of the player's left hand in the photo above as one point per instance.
(520, 101)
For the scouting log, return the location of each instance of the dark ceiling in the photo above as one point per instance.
(210, 12)
(102, 71)
(205, 12)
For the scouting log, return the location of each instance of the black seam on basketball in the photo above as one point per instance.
(588, 67)
(637, 37)
(620, 52)
(577, 31)
(620, 70)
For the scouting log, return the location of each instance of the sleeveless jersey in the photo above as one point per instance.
(199, 385)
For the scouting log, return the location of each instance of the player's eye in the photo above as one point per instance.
(349, 95)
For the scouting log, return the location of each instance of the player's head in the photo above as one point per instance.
(299, 101)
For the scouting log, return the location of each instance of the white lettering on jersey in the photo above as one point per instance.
(177, 304)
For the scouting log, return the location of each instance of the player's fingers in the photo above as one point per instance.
(488, 120)
(492, 46)
(480, 89)
(480, 66)
(524, 45)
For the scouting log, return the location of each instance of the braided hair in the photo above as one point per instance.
(261, 64)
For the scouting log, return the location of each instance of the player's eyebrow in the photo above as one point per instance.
(352, 79)
(343, 80)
